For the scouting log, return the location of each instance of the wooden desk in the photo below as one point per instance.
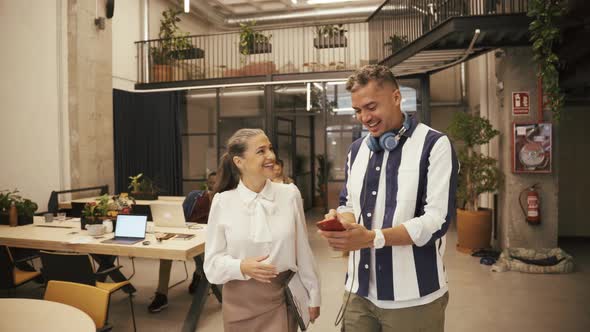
(161, 199)
(40, 315)
(41, 235)
(47, 236)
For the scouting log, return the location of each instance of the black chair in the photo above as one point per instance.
(74, 267)
(10, 275)
(53, 204)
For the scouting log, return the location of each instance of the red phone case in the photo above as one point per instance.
(330, 225)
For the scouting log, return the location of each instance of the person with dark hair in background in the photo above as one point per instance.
(396, 206)
(255, 237)
(198, 204)
(278, 176)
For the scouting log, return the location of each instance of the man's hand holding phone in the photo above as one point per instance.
(344, 234)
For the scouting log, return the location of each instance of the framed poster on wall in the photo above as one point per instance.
(531, 148)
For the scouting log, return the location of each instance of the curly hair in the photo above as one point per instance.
(364, 75)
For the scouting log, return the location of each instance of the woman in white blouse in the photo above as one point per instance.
(256, 235)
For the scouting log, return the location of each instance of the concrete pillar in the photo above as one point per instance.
(516, 71)
(90, 102)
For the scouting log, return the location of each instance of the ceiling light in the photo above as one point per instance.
(317, 2)
(187, 5)
(294, 2)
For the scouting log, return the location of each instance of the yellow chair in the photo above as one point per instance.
(78, 268)
(92, 300)
(10, 275)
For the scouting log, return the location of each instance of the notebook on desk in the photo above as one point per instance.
(129, 229)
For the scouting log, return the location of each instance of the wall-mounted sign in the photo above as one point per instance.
(531, 146)
(521, 103)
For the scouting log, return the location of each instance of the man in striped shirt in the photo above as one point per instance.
(396, 206)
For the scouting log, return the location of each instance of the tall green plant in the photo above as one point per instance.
(478, 173)
(544, 35)
(172, 39)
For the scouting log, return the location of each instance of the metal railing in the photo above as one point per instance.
(397, 23)
(321, 48)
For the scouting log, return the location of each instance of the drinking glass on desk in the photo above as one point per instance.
(61, 216)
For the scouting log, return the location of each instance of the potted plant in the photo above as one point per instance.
(396, 42)
(478, 174)
(143, 188)
(322, 176)
(330, 36)
(106, 207)
(25, 207)
(253, 42)
(172, 45)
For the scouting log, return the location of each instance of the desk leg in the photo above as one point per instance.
(199, 297)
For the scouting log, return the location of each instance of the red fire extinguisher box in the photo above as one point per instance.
(531, 148)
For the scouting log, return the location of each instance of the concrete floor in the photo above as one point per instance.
(480, 300)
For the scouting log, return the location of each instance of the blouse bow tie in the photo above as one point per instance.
(260, 207)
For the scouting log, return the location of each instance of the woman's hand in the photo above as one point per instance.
(253, 268)
(314, 313)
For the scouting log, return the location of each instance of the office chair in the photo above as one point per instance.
(10, 275)
(90, 299)
(78, 268)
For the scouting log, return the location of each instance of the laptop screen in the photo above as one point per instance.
(130, 226)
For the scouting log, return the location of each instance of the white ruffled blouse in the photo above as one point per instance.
(244, 224)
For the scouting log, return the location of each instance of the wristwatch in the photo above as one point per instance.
(379, 240)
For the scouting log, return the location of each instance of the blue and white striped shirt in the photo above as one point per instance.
(414, 185)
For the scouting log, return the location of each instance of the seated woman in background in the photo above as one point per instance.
(256, 236)
(277, 175)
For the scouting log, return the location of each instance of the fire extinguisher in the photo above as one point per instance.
(532, 212)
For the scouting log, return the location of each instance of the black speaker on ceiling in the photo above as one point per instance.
(110, 8)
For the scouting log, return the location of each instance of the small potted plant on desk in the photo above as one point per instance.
(25, 207)
(143, 188)
(106, 208)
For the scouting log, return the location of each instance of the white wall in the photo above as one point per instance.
(30, 90)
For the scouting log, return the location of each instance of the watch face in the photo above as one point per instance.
(532, 154)
(379, 241)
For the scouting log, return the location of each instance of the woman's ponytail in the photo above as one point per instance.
(228, 174)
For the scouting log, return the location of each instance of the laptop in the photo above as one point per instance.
(168, 215)
(129, 229)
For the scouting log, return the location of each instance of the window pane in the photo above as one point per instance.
(200, 113)
(229, 126)
(199, 156)
(242, 101)
(338, 143)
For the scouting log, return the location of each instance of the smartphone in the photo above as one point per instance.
(330, 225)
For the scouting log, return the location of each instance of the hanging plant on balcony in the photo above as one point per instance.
(330, 36)
(396, 42)
(173, 44)
(545, 34)
(253, 42)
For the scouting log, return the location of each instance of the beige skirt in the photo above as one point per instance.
(255, 306)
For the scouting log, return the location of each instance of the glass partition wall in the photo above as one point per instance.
(311, 126)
